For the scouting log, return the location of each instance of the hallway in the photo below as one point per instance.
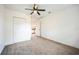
(39, 46)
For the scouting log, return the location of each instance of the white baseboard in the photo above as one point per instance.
(70, 45)
(1, 49)
(9, 43)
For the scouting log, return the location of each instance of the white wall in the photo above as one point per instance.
(1, 28)
(63, 26)
(9, 25)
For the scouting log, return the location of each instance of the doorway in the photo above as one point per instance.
(36, 27)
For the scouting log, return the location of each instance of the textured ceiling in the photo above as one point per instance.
(50, 8)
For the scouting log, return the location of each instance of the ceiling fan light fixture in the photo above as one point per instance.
(35, 11)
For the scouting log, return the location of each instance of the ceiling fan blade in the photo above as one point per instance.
(28, 9)
(38, 13)
(31, 13)
(41, 9)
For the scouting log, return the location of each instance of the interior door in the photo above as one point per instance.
(19, 29)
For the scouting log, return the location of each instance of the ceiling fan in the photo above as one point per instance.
(35, 9)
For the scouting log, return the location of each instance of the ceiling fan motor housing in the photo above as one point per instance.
(35, 8)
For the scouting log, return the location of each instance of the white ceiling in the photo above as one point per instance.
(50, 8)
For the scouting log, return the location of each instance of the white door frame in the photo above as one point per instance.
(39, 26)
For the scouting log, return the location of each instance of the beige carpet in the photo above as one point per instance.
(39, 46)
